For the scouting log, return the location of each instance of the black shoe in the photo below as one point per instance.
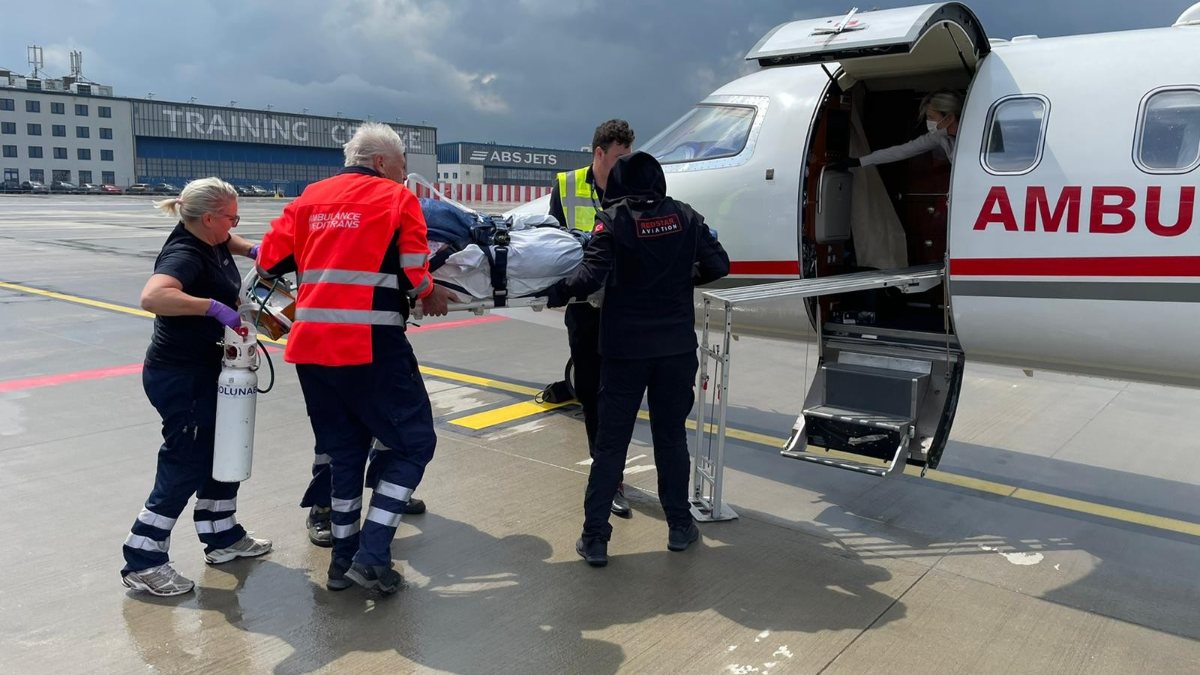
(337, 580)
(414, 507)
(679, 538)
(620, 505)
(380, 578)
(594, 551)
(320, 530)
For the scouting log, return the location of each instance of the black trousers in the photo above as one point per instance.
(583, 336)
(667, 382)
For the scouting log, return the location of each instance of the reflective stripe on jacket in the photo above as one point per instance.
(358, 244)
(579, 200)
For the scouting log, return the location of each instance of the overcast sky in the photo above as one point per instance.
(525, 72)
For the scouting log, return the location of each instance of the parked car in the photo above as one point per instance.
(164, 189)
(35, 187)
(260, 191)
(138, 189)
(243, 190)
(109, 190)
(11, 185)
(89, 188)
(64, 186)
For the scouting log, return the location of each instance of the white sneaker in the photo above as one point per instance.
(246, 547)
(162, 581)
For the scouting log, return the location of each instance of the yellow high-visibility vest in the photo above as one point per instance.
(579, 199)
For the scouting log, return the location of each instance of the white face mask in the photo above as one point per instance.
(931, 126)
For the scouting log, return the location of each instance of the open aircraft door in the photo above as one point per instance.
(890, 365)
(885, 43)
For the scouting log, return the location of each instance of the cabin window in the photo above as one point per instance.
(1168, 139)
(1016, 131)
(706, 132)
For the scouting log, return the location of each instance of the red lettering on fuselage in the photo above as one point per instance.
(1112, 209)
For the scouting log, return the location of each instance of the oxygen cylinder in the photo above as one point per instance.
(237, 394)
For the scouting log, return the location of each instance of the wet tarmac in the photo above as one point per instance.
(1062, 533)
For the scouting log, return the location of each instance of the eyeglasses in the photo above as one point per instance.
(232, 219)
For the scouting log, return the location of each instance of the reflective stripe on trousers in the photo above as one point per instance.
(147, 544)
(216, 505)
(155, 520)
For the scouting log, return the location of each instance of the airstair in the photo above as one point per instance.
(878, 401)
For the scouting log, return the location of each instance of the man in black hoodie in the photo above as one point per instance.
(648, 252)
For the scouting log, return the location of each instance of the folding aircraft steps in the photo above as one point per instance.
(864, 411)
(881, 398)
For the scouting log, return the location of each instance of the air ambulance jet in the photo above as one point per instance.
(1061, 234)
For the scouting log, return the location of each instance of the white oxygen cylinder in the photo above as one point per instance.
(237, 394)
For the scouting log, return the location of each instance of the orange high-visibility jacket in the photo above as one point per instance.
(357, 242)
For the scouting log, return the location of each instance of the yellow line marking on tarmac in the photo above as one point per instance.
(528, 408)
(77, 300)
(507, 413)
(482, 382)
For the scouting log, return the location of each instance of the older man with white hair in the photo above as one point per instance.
(357, 243)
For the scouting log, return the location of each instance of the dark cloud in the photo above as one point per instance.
(531, 72)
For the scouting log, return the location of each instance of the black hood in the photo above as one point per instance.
(639, 177)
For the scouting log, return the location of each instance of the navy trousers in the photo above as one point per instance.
(187, 402)
(320, 489)
(667, 383)
(348, 406)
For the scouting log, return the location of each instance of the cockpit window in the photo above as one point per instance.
(706, 132)
(1168, 138)
(1016, 129)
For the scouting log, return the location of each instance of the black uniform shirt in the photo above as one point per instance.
(648, 252)
(206, 272)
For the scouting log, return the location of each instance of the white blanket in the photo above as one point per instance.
(537, 258)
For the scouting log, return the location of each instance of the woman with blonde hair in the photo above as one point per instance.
(193, 294)
(940, 110)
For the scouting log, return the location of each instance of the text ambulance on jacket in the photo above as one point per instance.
(358, 244)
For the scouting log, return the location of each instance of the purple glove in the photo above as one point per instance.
(254, 252)
(223, 313)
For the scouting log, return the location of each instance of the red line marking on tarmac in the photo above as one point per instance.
(490, 318)
(135, 368)
(65, 378)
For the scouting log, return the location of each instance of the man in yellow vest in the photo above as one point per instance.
(574, 201)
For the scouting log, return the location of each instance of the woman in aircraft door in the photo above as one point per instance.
(940, 110)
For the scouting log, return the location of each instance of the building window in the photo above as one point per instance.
(8, 104)
(84, 154)
(58, 108)
(33, 106)
(108, 177)
(1015, 134)
(106, 155)
(60, 153)
(38, 175)
(455, 175)
(33, 129)
(58, 130)
(85, 176)
(106, 133)
(81, 110)
(35, 152)
(10, 151)
(105, 111)
(8, 127)
(63, 175)
(12, 174)
(83, 132)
